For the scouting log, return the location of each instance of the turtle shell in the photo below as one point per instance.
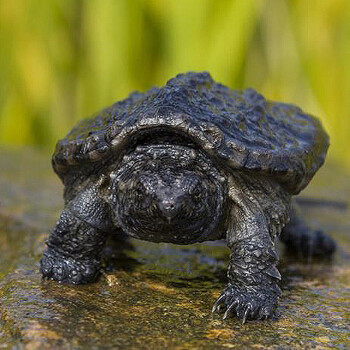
(240, 129)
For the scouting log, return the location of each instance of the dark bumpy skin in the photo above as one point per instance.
(159, 200)
(190, 162)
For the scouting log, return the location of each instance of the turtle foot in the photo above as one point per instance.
(68, 270)
(247, 303)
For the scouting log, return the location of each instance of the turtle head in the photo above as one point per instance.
(168, 193)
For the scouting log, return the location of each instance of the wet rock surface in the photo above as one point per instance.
(156, 296)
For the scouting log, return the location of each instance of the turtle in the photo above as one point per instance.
(189, 162)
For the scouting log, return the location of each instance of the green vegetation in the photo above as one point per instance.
(61, 60)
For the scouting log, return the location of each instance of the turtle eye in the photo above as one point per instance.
(139, 191)
(147, 184)
(196, 192)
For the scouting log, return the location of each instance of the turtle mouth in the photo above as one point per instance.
(188, 223)
(170, 231)
(184, 226)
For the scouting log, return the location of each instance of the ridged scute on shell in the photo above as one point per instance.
(240, 128)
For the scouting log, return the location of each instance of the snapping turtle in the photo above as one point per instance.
(189, 162)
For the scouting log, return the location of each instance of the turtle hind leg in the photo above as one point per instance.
(303, 241)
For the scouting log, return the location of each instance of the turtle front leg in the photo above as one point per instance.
(74, 248)
(252, 291)
(73, 251)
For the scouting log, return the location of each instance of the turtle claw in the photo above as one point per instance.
(217, 305)
(247, 303)
(246, 313)
(229, 311)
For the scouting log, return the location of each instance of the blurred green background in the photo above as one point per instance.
(61, 60)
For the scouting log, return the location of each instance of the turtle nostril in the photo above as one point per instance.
(168, 208)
